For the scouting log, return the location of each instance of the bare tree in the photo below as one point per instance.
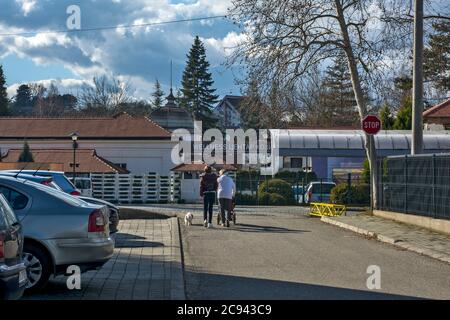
(286, 39)
(105, 96)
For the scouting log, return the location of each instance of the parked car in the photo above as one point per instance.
(47, 181)
(113, 213)
(114, 216)
(318, 191)
(58, 177)
(13, 275)
(84, 185)
(59, 230)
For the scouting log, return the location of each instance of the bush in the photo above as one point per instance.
(246, 199)
(356, 194)
(276, 199)
(278, 186)
(263, 198)
(271, 199)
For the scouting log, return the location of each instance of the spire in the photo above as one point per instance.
(171, 98)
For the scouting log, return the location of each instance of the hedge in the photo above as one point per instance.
(277, 186)
(355, 194)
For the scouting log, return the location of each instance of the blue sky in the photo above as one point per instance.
(139, 54)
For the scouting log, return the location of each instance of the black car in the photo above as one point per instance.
(13, 275)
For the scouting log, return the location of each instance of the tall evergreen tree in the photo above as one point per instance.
(403, 121)
(4, 101)
(23, 104)
(387, 118)
(26, 155)
(158, 96)
(198, 95)
(437, 56)
(338, 98)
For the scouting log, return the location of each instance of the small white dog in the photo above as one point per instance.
(188, 219)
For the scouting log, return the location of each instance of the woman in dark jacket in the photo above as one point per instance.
(208, 188)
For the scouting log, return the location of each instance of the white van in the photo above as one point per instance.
(84, 185)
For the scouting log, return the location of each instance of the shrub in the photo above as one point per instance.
(356, 194)
(263, 198)
(276, 199)
(271, 199)
(278, 186)
(246, 199)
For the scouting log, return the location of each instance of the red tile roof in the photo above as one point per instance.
(87, 160)
(119, 126)
(441, 110)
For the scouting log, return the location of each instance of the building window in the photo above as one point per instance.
(297, 163)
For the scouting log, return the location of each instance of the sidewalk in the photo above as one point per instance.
(408, 237)
(146, 265)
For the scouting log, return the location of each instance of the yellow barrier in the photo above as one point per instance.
(327, 210)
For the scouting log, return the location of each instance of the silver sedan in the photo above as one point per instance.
(59, 230)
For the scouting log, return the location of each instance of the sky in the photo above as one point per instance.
(138, 55)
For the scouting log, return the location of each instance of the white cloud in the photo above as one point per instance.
(27, 5)
(141, 53)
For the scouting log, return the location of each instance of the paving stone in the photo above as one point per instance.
(138, 269)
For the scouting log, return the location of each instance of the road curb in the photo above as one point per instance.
(385, 239)
(177, 288)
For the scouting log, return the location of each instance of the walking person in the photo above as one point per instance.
(226, 192)
(208, 188)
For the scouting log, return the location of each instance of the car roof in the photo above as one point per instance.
(37, 171)
(324, 182)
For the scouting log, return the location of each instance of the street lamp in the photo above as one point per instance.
(74, 137)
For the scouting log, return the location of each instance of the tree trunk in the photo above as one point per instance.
(360, 100)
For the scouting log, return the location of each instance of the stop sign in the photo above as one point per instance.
(371, 124)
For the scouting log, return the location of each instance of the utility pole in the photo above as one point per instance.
(417, 123)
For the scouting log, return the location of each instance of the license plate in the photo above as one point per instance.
(23, 278)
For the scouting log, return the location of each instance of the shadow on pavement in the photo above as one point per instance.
(207, 286)
(138, 244)
(242, 227)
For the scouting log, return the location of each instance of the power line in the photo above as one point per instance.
(140, 25)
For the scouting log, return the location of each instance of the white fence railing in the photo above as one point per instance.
(132, 188)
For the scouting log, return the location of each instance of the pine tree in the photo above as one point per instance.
(403, 120)
(158, 96)
(4, 101)
(26, 155)
(437, 56)
(198, 94)
(23, 104)
(338, 99)
(387, 119)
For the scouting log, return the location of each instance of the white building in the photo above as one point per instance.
(137, 144)
(227, 111)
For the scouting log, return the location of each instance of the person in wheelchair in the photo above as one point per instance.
(225, 192)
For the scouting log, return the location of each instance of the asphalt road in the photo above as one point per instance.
(272, 255)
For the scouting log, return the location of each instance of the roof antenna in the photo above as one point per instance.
(171, 75)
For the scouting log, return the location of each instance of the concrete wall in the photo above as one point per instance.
(438, 225)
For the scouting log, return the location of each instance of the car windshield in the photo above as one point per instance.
(59, 194)
(324, 188)
(64, 183)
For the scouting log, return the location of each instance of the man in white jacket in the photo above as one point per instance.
(225, 192)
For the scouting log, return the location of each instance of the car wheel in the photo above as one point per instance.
(38, 268)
